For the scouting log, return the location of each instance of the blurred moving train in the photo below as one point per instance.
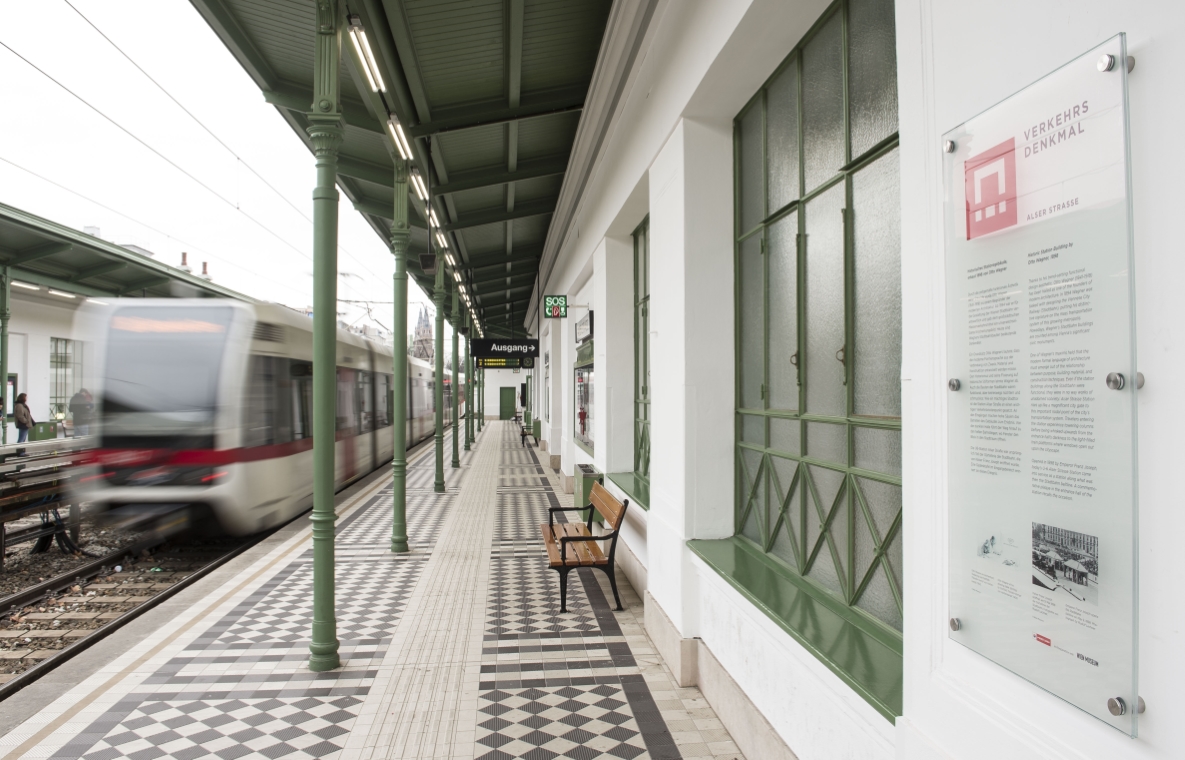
(205, 406)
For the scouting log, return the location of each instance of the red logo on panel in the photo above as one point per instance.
(1043, 639)
(991, 189)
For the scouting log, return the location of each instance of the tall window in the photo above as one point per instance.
(642, 354)
(65, 375)
(818, 424)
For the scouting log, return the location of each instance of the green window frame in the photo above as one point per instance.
(65, 372)
(818, 334)
(642, 356)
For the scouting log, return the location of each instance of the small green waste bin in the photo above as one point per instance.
(586, 475)
(536, 429)
(43, 431)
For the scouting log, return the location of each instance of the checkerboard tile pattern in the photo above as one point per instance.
(568, 721)
(306, 727)
(455, 650)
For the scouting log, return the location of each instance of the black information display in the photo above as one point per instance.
(498, 362)
(508, 348)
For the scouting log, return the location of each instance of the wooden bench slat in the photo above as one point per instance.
(605, 503)
(577, 553)
(586, 551)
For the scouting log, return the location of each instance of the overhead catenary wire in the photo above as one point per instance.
(209, 131)
(189, 113)
(156, 152)
(145, 225)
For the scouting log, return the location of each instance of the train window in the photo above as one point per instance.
(364, 400)
(301, 399)
(347, 409)
(268, 416)
(162, 370)
(382, 400)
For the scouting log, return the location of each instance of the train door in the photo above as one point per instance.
(347, 426)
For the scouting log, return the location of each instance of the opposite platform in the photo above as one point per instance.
(453, 650)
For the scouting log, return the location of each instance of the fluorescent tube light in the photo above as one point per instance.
(369, 64)
(432, 218)
(53, 292)
(26, 285)
(441, 239)
(97, 301)
(456, 276)
(418, 183)
(400, 139)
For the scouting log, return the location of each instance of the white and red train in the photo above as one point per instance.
(208, 404)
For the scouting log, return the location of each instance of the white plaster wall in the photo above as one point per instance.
(701, 63)
(613, 286)
(817, 715)
(954, 60)
(30, 328)
(496, 379)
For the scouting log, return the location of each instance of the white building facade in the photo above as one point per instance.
(760, 239)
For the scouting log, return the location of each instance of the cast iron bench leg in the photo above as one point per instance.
(613, 583)
(563, 588)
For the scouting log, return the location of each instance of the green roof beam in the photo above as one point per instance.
(301, 101)
(472, 117)
(495, 177)
(98, 271)
(492, 216)
(365, 171)
(143, 285)
(37, 252)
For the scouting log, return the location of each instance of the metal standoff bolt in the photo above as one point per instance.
(1139, 380)
(948, 146)
(1107, 63)
(954, 384)
(1140, 706)
(955, 624)
(1116, 706)
(1116, 381)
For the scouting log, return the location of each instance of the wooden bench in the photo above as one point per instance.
(572, 545)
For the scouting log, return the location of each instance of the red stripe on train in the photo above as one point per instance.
(213, 457)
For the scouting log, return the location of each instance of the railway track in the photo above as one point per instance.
(45, 625)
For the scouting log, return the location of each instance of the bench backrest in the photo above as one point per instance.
(604, 502)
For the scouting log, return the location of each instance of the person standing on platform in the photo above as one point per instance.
(23, 417)
(80, 410)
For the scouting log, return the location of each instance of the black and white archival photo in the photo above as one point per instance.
(1066, 563)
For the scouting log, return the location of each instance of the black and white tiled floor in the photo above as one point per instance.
(455, 650)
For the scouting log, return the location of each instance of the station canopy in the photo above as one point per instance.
(49, 255)
(489, 94)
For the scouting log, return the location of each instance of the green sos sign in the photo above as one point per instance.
(555, 307)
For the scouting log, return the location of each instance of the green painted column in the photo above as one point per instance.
(325, 130)
(468, 386)
(438, 386)
(5, 315)
(456, 378)
(400, 239)
(481, 401)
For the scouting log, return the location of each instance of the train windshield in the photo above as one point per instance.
(163, 364)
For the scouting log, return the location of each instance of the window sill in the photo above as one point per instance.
(583, 445)
(873, 666)
(637, 489)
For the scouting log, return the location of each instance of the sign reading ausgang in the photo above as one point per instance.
(490, 348)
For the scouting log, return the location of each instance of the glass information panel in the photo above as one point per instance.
(1042, 390)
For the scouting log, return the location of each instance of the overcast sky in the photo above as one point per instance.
(257, 240)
